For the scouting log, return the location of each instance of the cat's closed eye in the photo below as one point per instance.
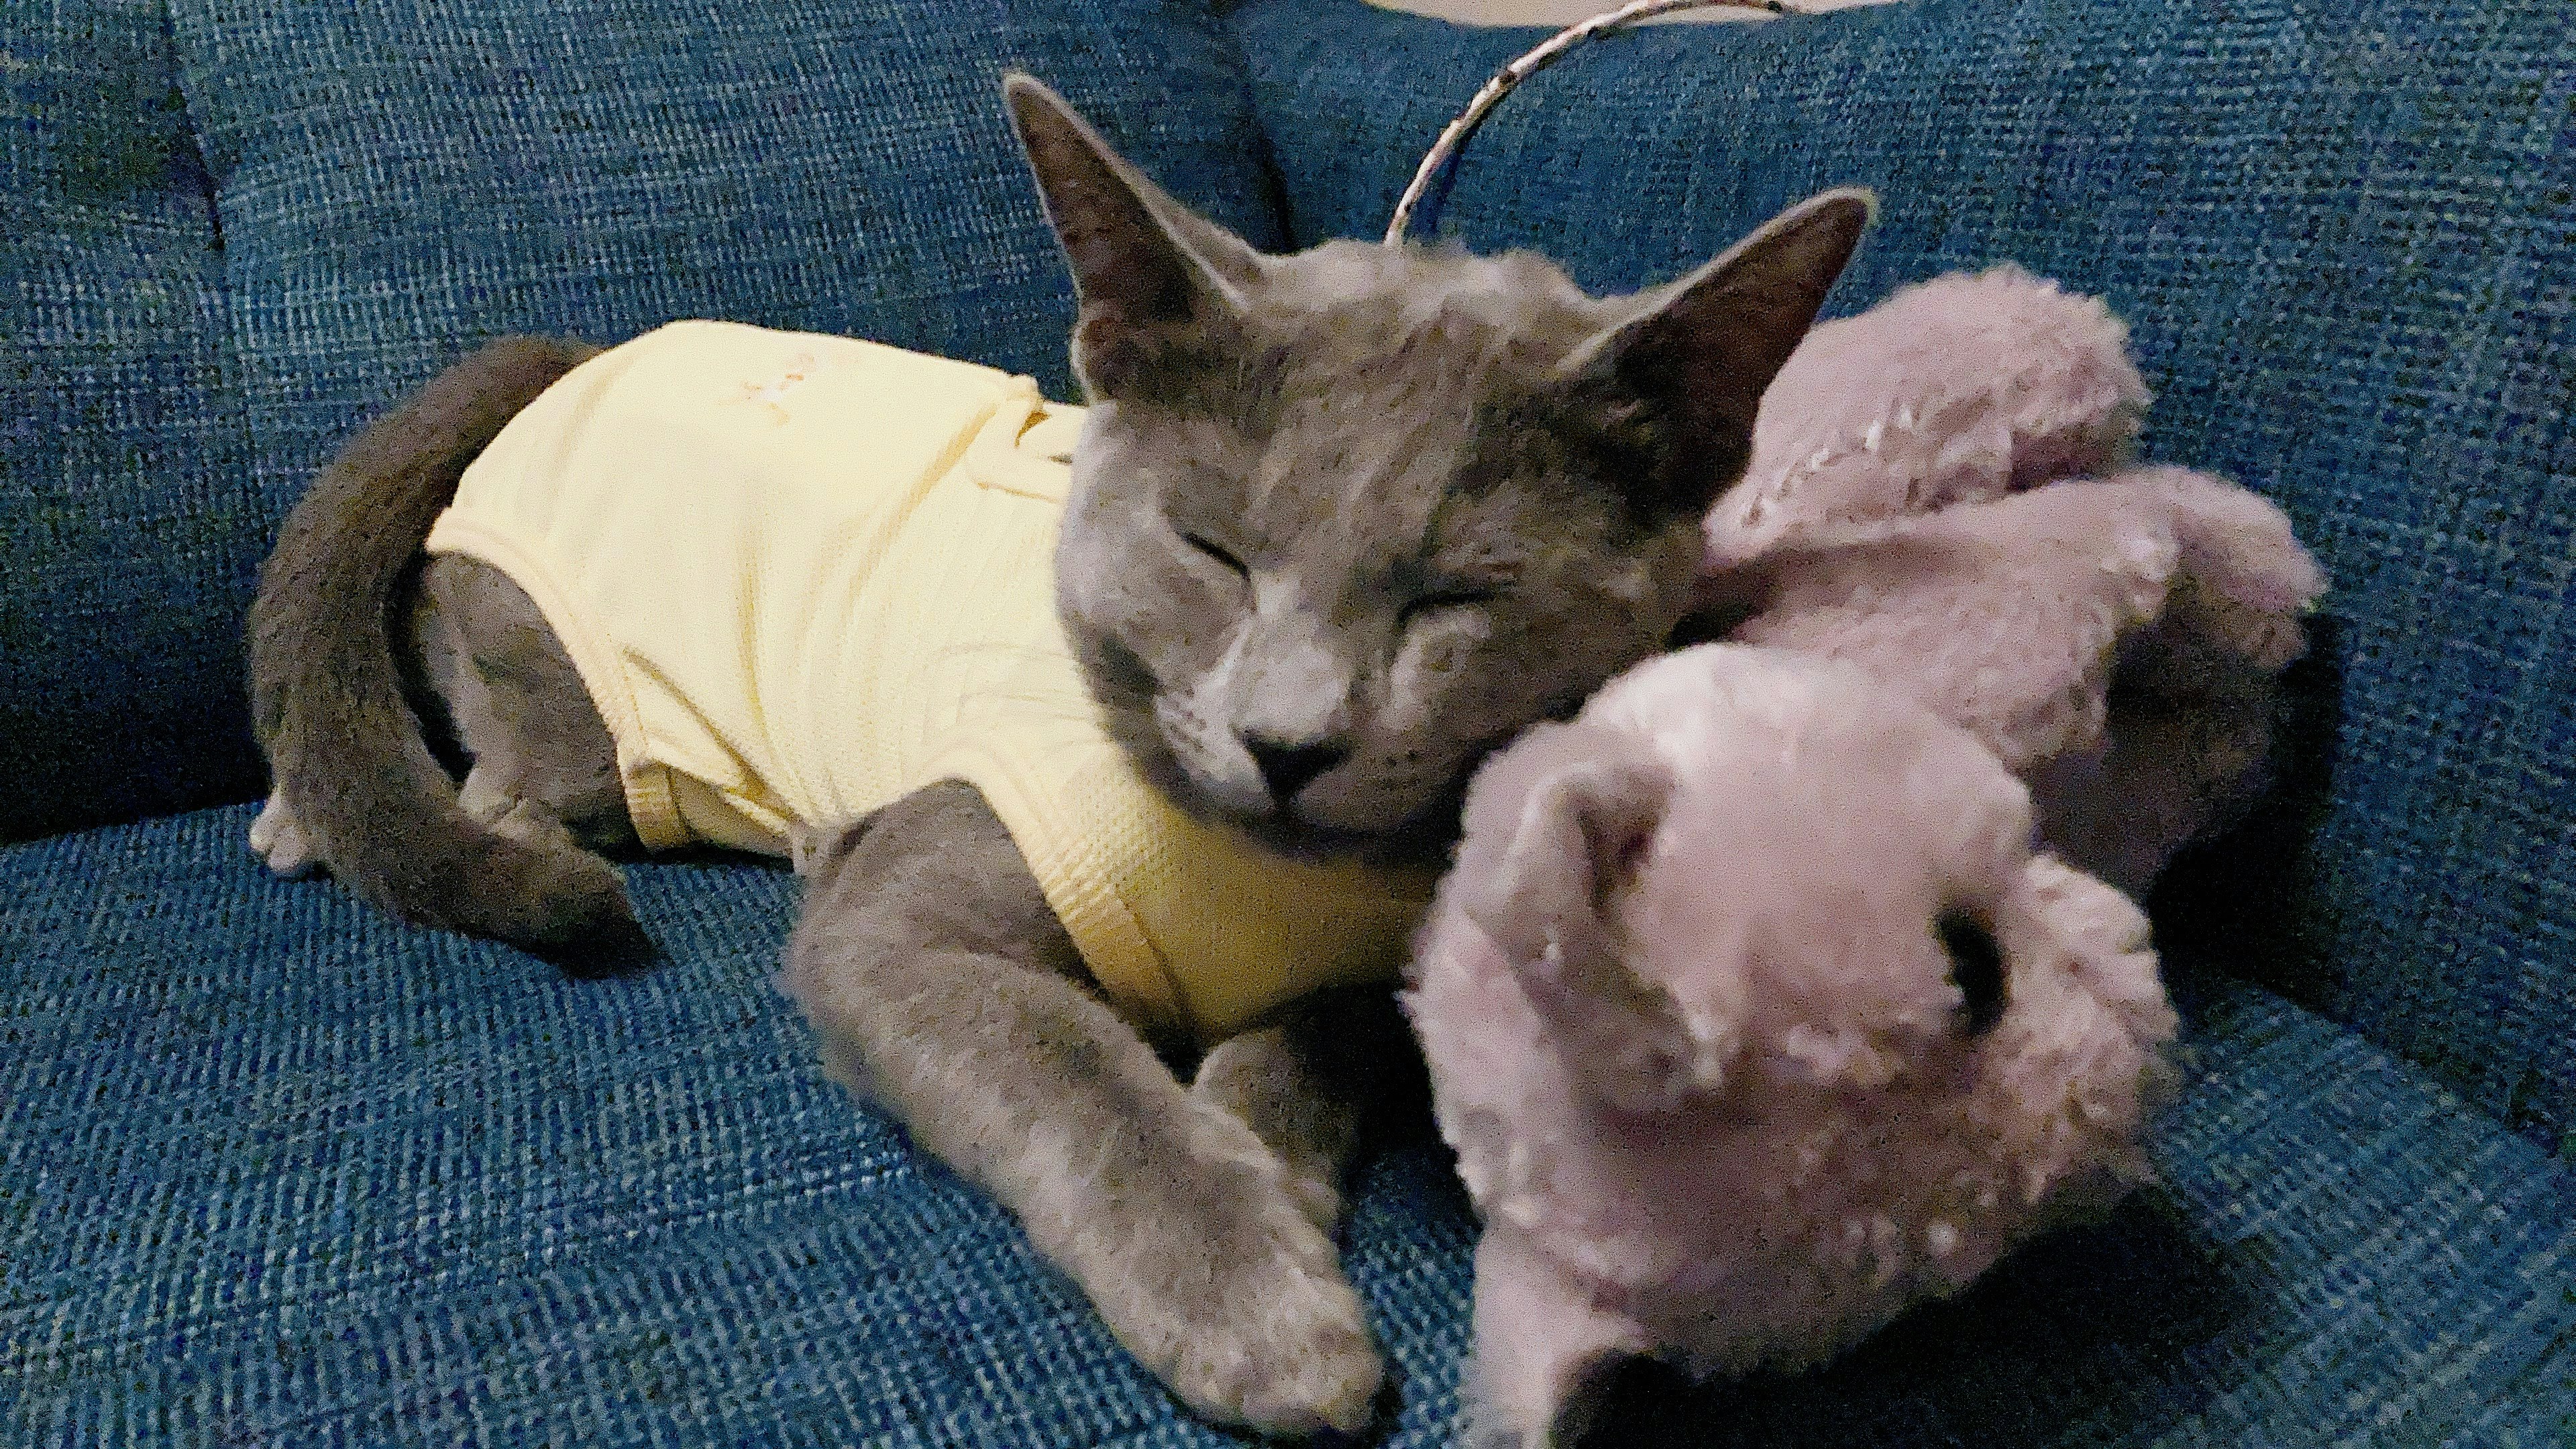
(1437, 601)
(1222, 556)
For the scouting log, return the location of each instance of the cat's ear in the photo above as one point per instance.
(1691, 360)
(1155, 282)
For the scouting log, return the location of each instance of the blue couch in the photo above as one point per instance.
(278, 1171)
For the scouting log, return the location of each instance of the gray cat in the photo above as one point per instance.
(1340, 523)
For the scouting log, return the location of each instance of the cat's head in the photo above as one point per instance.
(1344, 521)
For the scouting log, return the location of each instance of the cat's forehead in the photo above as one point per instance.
(1358, 514)
(1385, 366)
(1366, 315)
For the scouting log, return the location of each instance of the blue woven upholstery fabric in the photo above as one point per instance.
(2343, 231)
(391, 182)
(276, 1171)
(126, 531)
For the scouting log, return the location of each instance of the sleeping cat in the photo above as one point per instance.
(1337, 524)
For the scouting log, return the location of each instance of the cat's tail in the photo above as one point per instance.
(351, 768)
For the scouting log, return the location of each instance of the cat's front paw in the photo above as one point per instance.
(1258, 1078)
(276, 839)
(1255, 1323)
(1287, 1350)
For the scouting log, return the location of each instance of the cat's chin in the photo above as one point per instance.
(1413, 842)
(1126, 690)
(1420, 837)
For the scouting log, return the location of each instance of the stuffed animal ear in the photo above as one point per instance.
(1581, 828)
(1549, 905)
(1692, 361)
(1156, 285)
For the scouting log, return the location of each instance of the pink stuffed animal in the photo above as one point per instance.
(2115, 641)
(1754, 1018)
(1788, 985)
(1962, 388)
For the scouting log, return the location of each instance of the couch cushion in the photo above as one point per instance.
(394, 180)
(399, 177)
(127, 534)
(2342, 231)
(276, 1170)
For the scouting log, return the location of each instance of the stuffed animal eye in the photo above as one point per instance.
(1976, 967)
(1216, 552)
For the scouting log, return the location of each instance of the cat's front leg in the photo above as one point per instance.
(946, 991)
(1303, 1084)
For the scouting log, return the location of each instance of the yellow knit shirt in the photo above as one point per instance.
(803, 576)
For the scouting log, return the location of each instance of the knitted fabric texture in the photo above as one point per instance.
(127, 549)
(281, 1171)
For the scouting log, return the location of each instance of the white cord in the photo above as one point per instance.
(1528, 65)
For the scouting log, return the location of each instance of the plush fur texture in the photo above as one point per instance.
(1342, 522)
(1704, 1011)
(1940, 493)
(2116, 642)
(1793, 982)
(1962, 388)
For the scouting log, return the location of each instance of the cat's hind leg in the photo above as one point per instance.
(544, 766)
(276, 839)
(479, 661)
(945, 990)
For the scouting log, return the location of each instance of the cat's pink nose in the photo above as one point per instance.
(1290, 767)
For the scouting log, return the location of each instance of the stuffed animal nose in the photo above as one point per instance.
(1289, 767)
